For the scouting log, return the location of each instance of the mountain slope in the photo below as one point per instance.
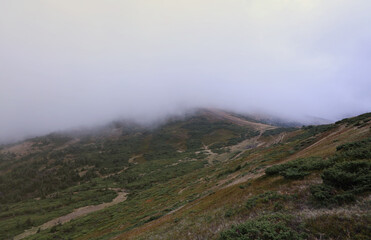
(191, 178)
(246, 192)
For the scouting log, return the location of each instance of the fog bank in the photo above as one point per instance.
(71, 63)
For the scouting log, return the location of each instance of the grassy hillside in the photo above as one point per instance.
(212, 175)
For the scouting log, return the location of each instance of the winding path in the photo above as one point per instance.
(79, 212)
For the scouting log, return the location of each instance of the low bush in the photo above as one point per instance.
(354, 145)
(276, 169)
(324, 195)
(354, 175)
(271, 227)
(354, 151)
(299, 168)
(342, 183)
(294, 173)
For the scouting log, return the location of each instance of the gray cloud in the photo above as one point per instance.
(75, 63)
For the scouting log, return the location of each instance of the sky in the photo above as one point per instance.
(73, 63)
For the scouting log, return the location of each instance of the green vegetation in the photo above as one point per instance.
(200, 129)
(354, 150)
(344, 175)
(310, 132)
(359, 121)
(16, 217)
(178, 188)
(349, 177)
(147, 174)
(355, 176)
(270, 227)
(343, 182)
(299, 168)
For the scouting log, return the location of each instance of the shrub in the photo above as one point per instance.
(342, 182)
(276, 169)
(299, 168)
(272, 227)
(349, 175)
(294, 173)
(354, 151)
(324, 195)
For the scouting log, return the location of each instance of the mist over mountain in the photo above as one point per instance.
(185, 119)
(121, 126)
(71, 64)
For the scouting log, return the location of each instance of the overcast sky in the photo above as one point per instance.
(71, 63)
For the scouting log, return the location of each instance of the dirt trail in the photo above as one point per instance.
(132, 159)
(211, 154)
(115, 173)
(243, 179)
(325, 138)
(79, 212)
(245, 145)
(280, 138)
(304, 151)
